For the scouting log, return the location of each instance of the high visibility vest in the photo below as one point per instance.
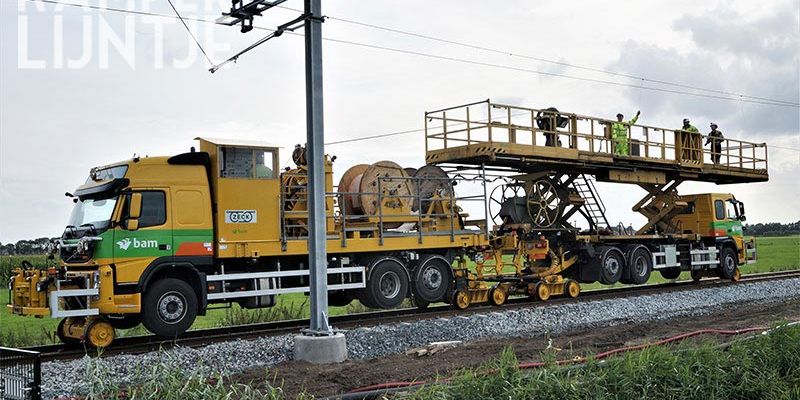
(619, 130)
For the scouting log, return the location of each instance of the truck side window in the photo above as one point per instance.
(154, 209)
(733, 213)
(238, 162)
(264, 163)
(719, 209)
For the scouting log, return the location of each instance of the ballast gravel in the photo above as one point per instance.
(75, 377)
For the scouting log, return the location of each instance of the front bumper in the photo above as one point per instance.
(39, 293)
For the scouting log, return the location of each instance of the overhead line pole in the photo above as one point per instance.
(319, 343)
(315, 153)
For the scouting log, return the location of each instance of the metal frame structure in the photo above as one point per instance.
(487, 133)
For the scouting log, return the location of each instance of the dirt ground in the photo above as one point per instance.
(327, 380)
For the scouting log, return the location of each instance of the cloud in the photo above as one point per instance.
(730, 52)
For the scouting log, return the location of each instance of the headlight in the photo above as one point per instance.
(96, 279)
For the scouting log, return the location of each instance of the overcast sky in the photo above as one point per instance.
(81, 88)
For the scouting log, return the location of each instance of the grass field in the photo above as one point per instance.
(763, 367)
(775, 254)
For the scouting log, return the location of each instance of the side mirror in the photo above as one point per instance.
(132, 224)
(135, 208)
(741, 212)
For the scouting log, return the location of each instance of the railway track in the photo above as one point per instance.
(201, 337)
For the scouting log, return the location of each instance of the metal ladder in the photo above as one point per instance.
(593, 206)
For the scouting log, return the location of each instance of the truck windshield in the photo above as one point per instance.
(94, 212)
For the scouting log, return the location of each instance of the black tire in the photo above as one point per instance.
(387, 285)
(611, 264)
(697, 275)
(640, 266)
(728, 262)
(431, 279)
(670, 273)
(340, 298)
(128, 321)
(169, 307)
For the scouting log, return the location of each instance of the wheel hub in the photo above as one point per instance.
(390, 285)
(432, 278)
(612, 266)
(171, 307)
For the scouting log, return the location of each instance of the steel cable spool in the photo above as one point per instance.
(395, 187)
(431, 181)
(502, 204)
(345, 184)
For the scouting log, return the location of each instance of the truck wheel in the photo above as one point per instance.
(169, 307)
(727, 263)
(128, 321)
(387, 285)
(431, 279)
(611, 264)
(670, 273)
(640, 266)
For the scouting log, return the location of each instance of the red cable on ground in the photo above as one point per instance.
(598, 356)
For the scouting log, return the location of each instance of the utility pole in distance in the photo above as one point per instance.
(319, 343)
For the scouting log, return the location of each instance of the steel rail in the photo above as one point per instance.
(202, 337)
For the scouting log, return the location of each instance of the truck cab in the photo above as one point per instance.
(717, 218)
(125, 228)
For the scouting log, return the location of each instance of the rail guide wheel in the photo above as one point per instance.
(98, 333)
(573, 288)
(542, 290)
(68, 329)
(737, 275)
(497, 296)
(461, 299)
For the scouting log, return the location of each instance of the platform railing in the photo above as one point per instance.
(492, 123)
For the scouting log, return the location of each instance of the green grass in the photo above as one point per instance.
(766, 367)
(762, 367)
(775, 254)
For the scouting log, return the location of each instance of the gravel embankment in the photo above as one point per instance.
(72, 377)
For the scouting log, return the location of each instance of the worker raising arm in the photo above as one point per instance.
(619, 134)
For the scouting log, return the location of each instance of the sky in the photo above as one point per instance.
(81, 87)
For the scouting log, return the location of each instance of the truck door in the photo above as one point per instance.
(144, 233)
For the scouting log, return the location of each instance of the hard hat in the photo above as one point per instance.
(713, 125)
(686, 120)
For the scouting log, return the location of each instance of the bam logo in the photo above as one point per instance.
(124, 244)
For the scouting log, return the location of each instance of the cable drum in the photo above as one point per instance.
(351, 201)
(361, 183)
(431, 181)
(394, 184)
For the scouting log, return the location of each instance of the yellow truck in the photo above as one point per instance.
(155, 240)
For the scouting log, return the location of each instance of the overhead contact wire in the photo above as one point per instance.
(779, 103)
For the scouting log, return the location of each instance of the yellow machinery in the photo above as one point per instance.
(157, 240)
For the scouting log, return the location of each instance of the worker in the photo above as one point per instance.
(688, 127)
(619, 134)
(715, 139)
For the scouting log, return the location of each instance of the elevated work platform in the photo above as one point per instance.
(531, 140)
